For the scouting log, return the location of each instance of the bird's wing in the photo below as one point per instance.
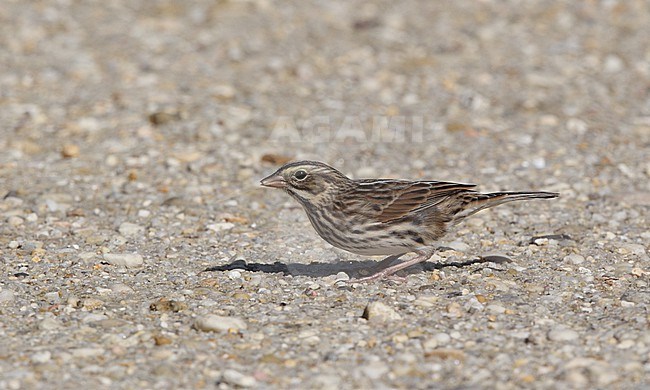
(388, 200)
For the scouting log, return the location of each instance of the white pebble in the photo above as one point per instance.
(495, 309)
(87, 257)
(541, 241)
(234, 274)
(124, 259)
(52, 297)
(111, 160)
(613, 64)
(539, 162)
(41, 357)
(128, 229)
(574, 259)
(458, 246)
(94, 317)
(15, 220)
(236, 378)
(430, 344)
(441, 338)
(7, 296)
(121, 288)
(83, 353)
(342, 276)
(562, 334)
(626, 344)
(215, 323)
(309, 337)
(426, 300)
(49, 323)
(217, 227)
(375, 370)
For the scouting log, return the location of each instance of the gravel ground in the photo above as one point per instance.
(137, 249)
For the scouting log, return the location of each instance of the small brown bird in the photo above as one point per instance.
(383, 216)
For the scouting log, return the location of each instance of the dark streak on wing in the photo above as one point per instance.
(389, 200)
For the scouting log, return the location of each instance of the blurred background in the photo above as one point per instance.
(541, 92)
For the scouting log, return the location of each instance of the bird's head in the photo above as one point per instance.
(307, 181)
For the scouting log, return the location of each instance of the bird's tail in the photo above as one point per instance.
(473, 202)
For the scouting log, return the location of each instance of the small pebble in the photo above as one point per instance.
(236, 378)
(626, 344)
(426, 300)
(165, 304)
(577, 378)
(216, 323)
(562, 334)
(574, 259)
(94, 317)
(85, 353)
(374, 370)
(70, 151)
(637, 250)
(89, 303)
(495, 309)
(124, 259)
(430, 344)
(128, 229)
(121, 288)
(309, 337)
(53, 297)
(49, 323)
(87, 257)
(41, 357)
(341, 276)
(380, 312)
(220, 226)
(15, 220)
(454, 309)
(31, 246)
(458, 246)
(437, 340)
(7, 296)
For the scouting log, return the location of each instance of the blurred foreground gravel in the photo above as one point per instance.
(137, 249)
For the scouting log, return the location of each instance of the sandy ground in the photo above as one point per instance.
(137, 249)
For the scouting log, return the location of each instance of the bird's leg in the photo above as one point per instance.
(388, 261)
(384, 263)
(422, 256)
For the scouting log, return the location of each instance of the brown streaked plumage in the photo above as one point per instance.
(383, 216)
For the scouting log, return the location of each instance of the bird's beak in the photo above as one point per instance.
(275, 181)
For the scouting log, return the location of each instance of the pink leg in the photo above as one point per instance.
(422, 256)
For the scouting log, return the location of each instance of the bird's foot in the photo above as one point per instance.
(389, 272)
(378, 276)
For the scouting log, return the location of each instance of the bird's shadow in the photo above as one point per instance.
(354, 269)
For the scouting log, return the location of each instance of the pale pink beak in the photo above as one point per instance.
(275, 181)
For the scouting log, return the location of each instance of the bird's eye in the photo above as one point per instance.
(300, 175)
